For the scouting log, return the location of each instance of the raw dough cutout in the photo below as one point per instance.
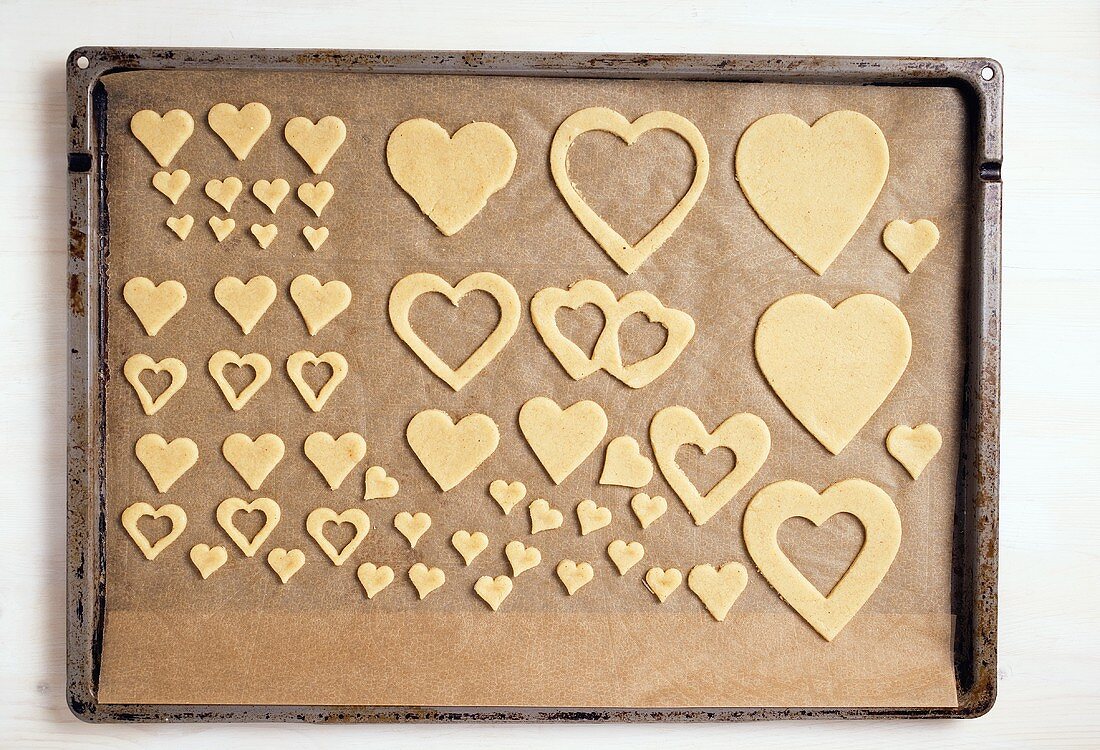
(166, 462)
(240, 129)
(172, 184)
(412, 527)
(625, 556)
(315, 237)
(294, 364)
(744, 434)
(450, 451)
(507, 495)
(425, 579)
(648, 509)
(271, 194)
(228, 507)
(882, 536)
(316, 143)
(718, 589)
(662, 583)
(319, 303)
(450, 177)
(562, 438)
(335, 457)
(607, 353)
(264, 234)
(378, 486)
(592, 517)
(253, 459)
(628, 257)
(135, 512)
(162, 136)
(813, 186)
(245, 303)
(315, 525)
(469, 545)
(833, 367)
(224, 192)
(286, 563)
(406, 291)
(624, 465)
(914, 447)
(154, 304)
(374, 579)
(574, 575)
(543, 517)
(139, 363)
(181, 225)
(259, 364)
(207, 559)
(222, 227)
(316, 197)
(910, 243)
(493, 590)
(521, 557)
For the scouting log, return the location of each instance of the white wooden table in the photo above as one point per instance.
(1050, 596)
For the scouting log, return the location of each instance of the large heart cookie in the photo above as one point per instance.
(787, 499)
(315, 525)
(139, 363)
(162, 136)
(628, 257)
(813, 186)
(449, 451)
(137, 511)
(607, 353)
(245, 303)
(450, 177)
(239, 128)
(319, 303)
(154, 304)
(833, 367)
(261, 367)
(745, 434)
(253, 459)
(166, 462)
(316, 400)
(406, 291)
(335, 457)
(316, 142)
(562, 438)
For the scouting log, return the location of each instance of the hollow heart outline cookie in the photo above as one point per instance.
(138, 364)
(607, 354)
(137, 511)
(228, 508)
(260, 364)
(316, 400)
(315, 525)
(628, 257)
(407, 290)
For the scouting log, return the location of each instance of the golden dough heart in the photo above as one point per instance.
(914, 447)
(450, 451)
(265, 234)
(260, 365)
(316, 400)
(335, 457)
(231, 505)
(625, 555)
(253, 459)
(315, 526)
(172, 184)
(246, 303)
(135, 512)
(624, 465)
(319, 303)
(469, 545)
(316, 197)
(315, 237)
(377, 485)
(286, 563)
(507, 495)
(374, 578)
(154, 304)
(648, 509)
(316, 142)
(166, 462)
(139, 363)
(240, 129)
(573, 575)
(224, 192)
(412, 526)
(543, 517)
(162, 136)
(207, 559)
(222, 228)
(911, 243)
(493, 590)
(718, 589)
(521, 557)
(663, 582)
(562, 438)
(592, 517)
(425, 579)
(181, 225)
(271, 194)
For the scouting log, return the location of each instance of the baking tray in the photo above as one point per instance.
(974, 570)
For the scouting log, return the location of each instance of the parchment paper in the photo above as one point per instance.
(241, 637)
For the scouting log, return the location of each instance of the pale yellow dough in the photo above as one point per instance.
(315, 525)
(543, 517)
(425, 579)
(787, 499)
(319, 303)
(377, 485)
(914, 447)
(316, 142)
(648, 509)
(181, 225)
(411, 526)
(813, 186)
(172, 184)
(374, 578)
(592, 517)
(207, 560)
(259, 364)
(154, 304)
(562, 438)
(625, 555)
(316, 197)
(265, 234)
(574, 575)
(469, 545)
(335, 457)
(910, 243)
(166, 462)
(663, 582)
(833, 367)
(139, 363)
(315, 236)
(286, 563)
(507, 495)
(245, 303)
(628, 257)
(521, 557)
(718, 589)
(162, 136)
(240, 129)
(624, 465)
(253, 459)
(294, 364)
(222, 228)
(271, 194)
(224, 192)
(493, 590)
(135, 512)
(450, 451)
(231, 505)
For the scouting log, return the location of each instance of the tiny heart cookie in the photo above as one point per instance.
(139, 363)
(316, 142)
(286, 563)
(137, 511)
(412, 527)
(335, 457)
(224, 192)
(166, 462)
(493, 590)
(315, 525)
(592, 516)
(562, 438)
(172, 184)
(260, 365)
(240, 129)
(181, 225)
(377, 485)
(663, 582)
(319, 303)
(624, 465)
(521, 557)
(448, 450)
(910, 243)
(154, 304)
(231, 505)
(648, 509)
(253, 459)
(574, 575)
(162, 136)
(316, 400)
(245, 303)
(271, 194)
(507, 495)
(718, 589)
(374, 578)
(469, 545)
(207, 559)
(543, 517)
(316, 197)
(625, 556)
(425, 579)
(914, 447)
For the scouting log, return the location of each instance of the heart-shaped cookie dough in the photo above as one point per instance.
(562, 438)
(260, 365)
(286, 563)
(425, 579)
(406, 291)
(271, 194)
(377, 485)
(316, 400)
(910, 243)
(628, 257)
(450, 451)
(223, 192)
(245, 303)
(663, 582)
(316, 142)
(914, 447)
(813, 186)
(450, 177)
(172, 184)
(507, 494)
(493, 590)
(319, 303)
(154, 304)
(228, 507)
(648, 509)
(181, 225)
(222, 228)
(253, 459)
(624, 555)
(315, 237)
(207, 559)
(139, 363)
(543, 517)
(574, 575)
(718, 589)
(162, 136)
(137, 511)
(335, 457)
(316, 197)
(265, 234)
(240, 129)
(745, 434)
(315, 525)
(833, 367)
(166, 462)
(787, 499)
(373, 578)
(412, 526)
(607, 353)
(521, 557)
(469, 545)
(624, 465)
(592, 517)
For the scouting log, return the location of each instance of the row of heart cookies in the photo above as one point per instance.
(225, 192)
(264, 234)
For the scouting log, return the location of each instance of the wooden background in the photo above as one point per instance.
(1050, 597)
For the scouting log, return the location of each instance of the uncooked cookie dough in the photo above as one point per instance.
(543, 517)
(172, 184)
(316, 142)
(521, 557)
(181, 225)
(207, 560)
(648, 509)
(316, 400)
(135, 512)
(469, 545)
(245, 303)
(628, 257)
(316, 196)
(271, 194)
(240, 129)
(718, 589)
(910, 243)
(411, 526)
(833, 367)
(625, 555)
(286, 563)
(425, 579)
(374, 578)
(450, 451)
(231, 505)
(507, 494)
(260, 365)
(377, 485)
(562, 438)
(592, 517)
(493, 590)
(335, 457)
(663, 582)
(154, 304)
(224, 192)
(162, 136)
(315, 525)
(624, 465)
(139, 363)
(813, 186)
(166, 462)
(574, 575)
(264, 234)
(914, 447)
(315, 236)
(253, 459)
(319, 303)
(450, 177)
(222, 228)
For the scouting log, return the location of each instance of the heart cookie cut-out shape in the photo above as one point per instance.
(543, 517)
(139, 363)
(521, 557)
(450, 451)
(253, 459)
(137, 511)
(377, 485)
(574, 575)
(562, 438)
(663, 582)
(154, 304)
(316, 197)
(245, 303)
(493, 590)
(316, 400)
(231, 505)
(833, 367)
(882, 536)
(592, 517)
(207, 560)
(744, 434)
(222, 228)
(406, 291)
(271, 194)
(264, 234)
(914, 447)
(260, 365)
(373, 578)
(172, 184)
(412, 526)
(181, 225)
(648, 509)
(316, 143)
(450, 177)
(425, 579)
(286, 563)
(813, 186)
(628, 257)
(315, 237)
(718, 589)
(163, 136)
(319, 303)
(469, 545)
(911, 243)
(507, 495)
(224, 192)
(607, 353)
(625, 556)
(335, 457)
(315, 525)
(239, 128)
(166, 462)
(624, 465)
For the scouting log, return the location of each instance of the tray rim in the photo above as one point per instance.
(975, 566)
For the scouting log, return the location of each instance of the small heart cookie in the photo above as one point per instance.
(137, 511)
(166, 462)
(316, 142)
(469, 545)
(663, 582)
(253, 459)
(246, 303)
(335, 457)
(260, 365)
(319, 303)
(222, 228)
(507, 495)
(316, 197)
(425, 579)
(172, 184)
(231, 505)
(162, 136)
(315, 237)
(493, 590)
(239, 128)
(181, 225)
(207, 559)
(265, 234)
(625, 556)
(412, 527)
(315, 526)
(914, 447)
(718, 589)
(911, 243)
(224, 192)
(286, 563)
(521, 557)
(648, 509)
(154, 304)
(543, 517)
(378, 486)
(592, 516)
(139, 363)
(316, 400)
(624, 465)
(374, 578)
(574, 575)
(271, 194)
